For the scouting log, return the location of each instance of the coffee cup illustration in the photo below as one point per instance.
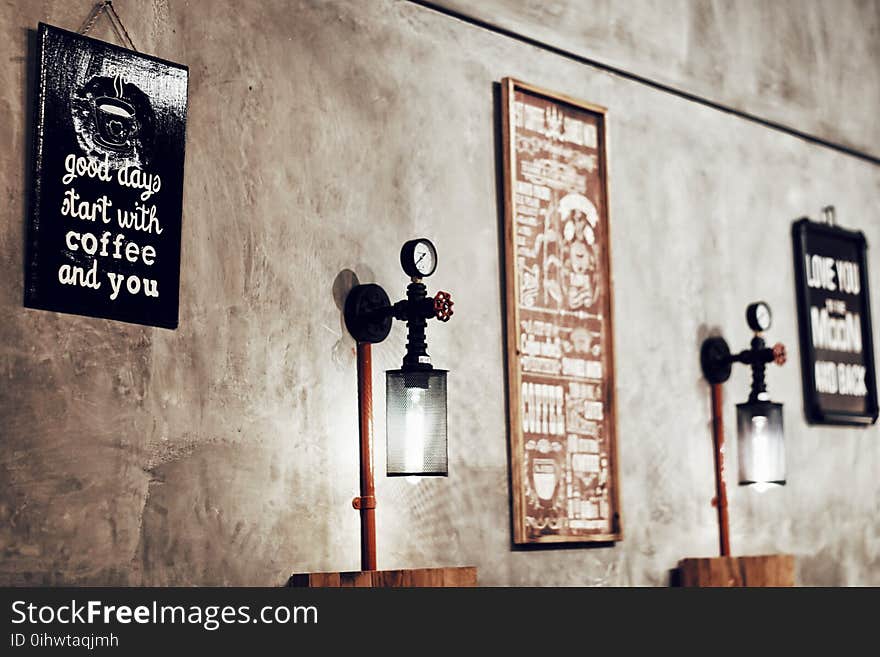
(116, 123)
(115, 119)
(545, 476)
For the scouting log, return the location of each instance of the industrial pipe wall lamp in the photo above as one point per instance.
(761, 450)
(415, 393)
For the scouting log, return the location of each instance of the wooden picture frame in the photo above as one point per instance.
(565, 486)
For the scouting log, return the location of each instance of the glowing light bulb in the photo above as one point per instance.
(760, 448)
(414, 446)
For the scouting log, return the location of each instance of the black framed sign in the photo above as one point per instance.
(105, 221)
(834, 313)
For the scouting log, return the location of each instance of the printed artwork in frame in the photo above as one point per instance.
(560, 347)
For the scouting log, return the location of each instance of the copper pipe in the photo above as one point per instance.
(720, 489)
(366, 503)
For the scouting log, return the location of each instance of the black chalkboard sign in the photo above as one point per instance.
(834, 312)
(109, 132)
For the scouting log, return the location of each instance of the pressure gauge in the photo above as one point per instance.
(418, 258)
(758, 316)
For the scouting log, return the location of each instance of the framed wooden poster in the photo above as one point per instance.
(560, 351)
(834, 314)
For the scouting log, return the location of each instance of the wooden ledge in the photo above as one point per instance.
(417, 577)
(766, 570)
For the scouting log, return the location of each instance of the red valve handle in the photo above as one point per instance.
(443, 306)
(779, 354)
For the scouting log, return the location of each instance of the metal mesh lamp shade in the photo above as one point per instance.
(416, 423)
(760, 441)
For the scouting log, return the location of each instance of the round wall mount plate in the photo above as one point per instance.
(715, 359)
(365, 313)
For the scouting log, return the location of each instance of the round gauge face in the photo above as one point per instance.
(425, 258)
(758, 316)
(762, 315)
(418, 258)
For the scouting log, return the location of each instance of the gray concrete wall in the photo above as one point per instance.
(321, 136)
(809, 64)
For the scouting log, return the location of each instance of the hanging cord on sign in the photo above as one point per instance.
(829, 216)
(106, 7)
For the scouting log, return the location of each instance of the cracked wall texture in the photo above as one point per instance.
(322, 135)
